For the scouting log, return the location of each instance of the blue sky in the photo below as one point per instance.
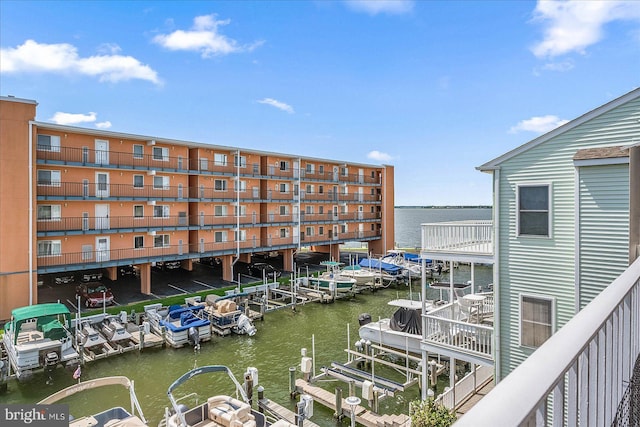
(434, 88)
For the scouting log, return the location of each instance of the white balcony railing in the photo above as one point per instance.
(453, 397)
(580, 375)
(468, 237)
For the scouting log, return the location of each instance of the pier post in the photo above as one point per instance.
(338, 414)
(292, 382)
(141, 332)
(248, 386)
(352, 388)
(260, 390)
(300, 413)
(374, 403)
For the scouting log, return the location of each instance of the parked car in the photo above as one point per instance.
(62, 280)
(168, 265)
(128, 270)
(259, 269)
(94, 294)
(91, 276)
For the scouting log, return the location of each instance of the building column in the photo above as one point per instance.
(187, 264)
(111, 273)
(245, 258)
(287, 259)
(145, 278)
(227, 273)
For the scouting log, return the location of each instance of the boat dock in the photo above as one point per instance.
(364, 416)
(282, 413)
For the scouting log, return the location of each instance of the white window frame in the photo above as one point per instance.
(134, 181)
(283, 210)
(222, 183)
(165, 182)
(243, 211)
(549, 209)
(54, 213)
(550, 299)
(239, 186)
(220, 210)
(160, 154)
(134, 211)
(54, 178)
(163, 210)
(219, 159)
(135, 244)
(309, 231)
(138, 147)
(204, 164)
(54, 248)
(243, 161)
(321, 169)
(243, 236)
(53, 146)
(283, 187)
(309, 209)
(310, 168)
(321, 231)
(163, 239)
(220, 236)
(283, 165)
(284, 233)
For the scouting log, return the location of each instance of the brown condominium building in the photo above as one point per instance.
(74, 199)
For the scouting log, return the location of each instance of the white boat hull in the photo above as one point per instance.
(381, 333)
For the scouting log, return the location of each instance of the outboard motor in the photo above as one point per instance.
(364, 318)
(245, 326)
(194, 338)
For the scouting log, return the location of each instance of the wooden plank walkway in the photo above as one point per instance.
(363, 415)
(284, 413)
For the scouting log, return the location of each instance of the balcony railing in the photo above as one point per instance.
(111, 222)
(581, 374)
(470, 237)
(450, 331)
(87, 190)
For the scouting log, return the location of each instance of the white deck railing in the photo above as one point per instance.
(449, 328)
(580, 374)
(453, 397)
(464, 236)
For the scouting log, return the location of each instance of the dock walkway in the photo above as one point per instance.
(363, 415)
(283, 413)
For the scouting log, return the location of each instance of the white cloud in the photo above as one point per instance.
(576, 24)
(373, 7)
(204, 38)
(277, 104)
(63, 58)
(379, 156)
(540, 124)
(103, 125)
(72, 119)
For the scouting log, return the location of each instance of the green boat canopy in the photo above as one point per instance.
(45, 313)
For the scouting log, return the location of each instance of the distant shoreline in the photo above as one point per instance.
(444, 207)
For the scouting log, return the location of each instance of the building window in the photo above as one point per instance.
(138, 242)
(344, 171)
(242, 212)
(240, 161)
(533, 210)
(309, 231)
(220, 159)
(310, 168)
(220, 210)
(204, 163)
(309, 189)
(161, 241)
(284, 188)
(138, 181)
(161, 211)
(161, 153)
(49, 247)
(309, 210)
(284, 166)
(138, 151)
(536, 320)
(87, 252)
(220, 185)
(49, 143)
(49, 213)
(320, 210)
(240, 236)
(284, 210)
(51, 178)
(220, 236)
(240, 186)
(138, 211)
(161, 182)
(321, 230)
(284, 232)
(321, 169)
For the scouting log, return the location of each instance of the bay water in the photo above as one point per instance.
(329, 328)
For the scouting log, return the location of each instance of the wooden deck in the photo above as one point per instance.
(363, 415)
(284, 413)
(473, 399)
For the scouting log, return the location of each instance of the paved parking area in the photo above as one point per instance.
(126, 289)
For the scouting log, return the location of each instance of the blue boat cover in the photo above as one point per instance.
(187, 316)
(379, 265)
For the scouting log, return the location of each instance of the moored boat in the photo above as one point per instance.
(38, 337)
(111, 417)
(179, 325)
(362, 276)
